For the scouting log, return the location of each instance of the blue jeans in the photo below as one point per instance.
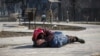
(58, 40)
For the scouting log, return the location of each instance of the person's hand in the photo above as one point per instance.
(40, 41)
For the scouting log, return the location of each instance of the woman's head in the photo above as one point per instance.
(41, 36)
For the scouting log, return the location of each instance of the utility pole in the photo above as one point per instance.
(59, 11)
(73, 5)
(23, 9)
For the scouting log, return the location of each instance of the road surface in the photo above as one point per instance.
(22, 46)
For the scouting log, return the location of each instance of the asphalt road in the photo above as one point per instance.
(22, 46)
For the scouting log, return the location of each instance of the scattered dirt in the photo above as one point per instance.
(96, 54)
(6, 45)
(5, 34)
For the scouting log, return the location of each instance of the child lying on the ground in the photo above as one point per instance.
(45, 38)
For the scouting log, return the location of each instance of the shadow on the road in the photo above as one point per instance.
(23, 47)
(30, 46)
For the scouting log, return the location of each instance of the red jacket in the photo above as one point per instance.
(36, 33)
(48, 34)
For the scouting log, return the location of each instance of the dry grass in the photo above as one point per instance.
(5, 34)
(57, 27)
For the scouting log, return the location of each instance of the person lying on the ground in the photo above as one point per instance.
(46, 38)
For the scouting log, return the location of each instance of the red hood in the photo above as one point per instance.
(37, 32)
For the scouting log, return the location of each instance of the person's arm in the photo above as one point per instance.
(41, 43)
(48, 35)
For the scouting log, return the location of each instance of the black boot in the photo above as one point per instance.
(79, 40)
